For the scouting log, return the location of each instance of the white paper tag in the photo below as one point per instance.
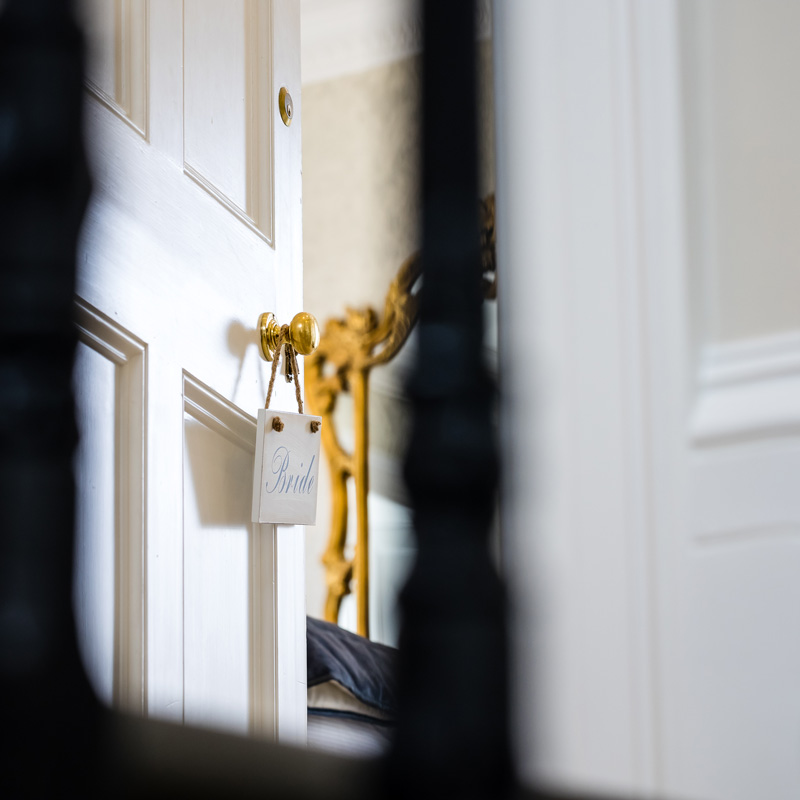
(286, 474)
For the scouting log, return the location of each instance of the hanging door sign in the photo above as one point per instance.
(286, 475)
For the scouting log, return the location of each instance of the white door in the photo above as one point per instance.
(186, 610)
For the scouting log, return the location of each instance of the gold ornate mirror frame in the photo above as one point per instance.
(349, 349)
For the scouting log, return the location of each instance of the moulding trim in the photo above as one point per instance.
(218, 414)
(748, 389)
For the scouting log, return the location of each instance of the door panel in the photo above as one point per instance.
(117, 56)
(110, 393)
(192, 232)
(96, 513)
(227, 110)
(227, 584)
(733, 665)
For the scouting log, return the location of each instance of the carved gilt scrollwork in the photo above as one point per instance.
(349, 348)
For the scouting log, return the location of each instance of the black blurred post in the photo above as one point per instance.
(452, 738)
(48, 711)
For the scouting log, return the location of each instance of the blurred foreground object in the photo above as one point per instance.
(453, 703)
(48, 708)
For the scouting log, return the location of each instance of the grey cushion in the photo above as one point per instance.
(363, 668)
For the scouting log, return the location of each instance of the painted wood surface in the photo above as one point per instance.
(194, 229)
(651, 531)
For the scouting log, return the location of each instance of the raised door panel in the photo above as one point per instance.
(227, 113)
(109, 595)
(95, 550)
(735, 726)
(228, 587)
(116, 70)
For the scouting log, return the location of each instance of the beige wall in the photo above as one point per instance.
(360, 185)
(742, 107)
(361, 200)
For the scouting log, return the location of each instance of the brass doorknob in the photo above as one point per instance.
(303, 333)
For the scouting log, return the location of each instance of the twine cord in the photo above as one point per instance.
(296, 374)
(275, 358)
(283, 338)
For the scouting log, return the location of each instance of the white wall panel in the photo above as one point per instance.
(738, 668)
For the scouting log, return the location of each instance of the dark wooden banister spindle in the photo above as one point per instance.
(452, 737)
(49, 712)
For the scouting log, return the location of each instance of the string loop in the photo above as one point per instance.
(280, 344)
